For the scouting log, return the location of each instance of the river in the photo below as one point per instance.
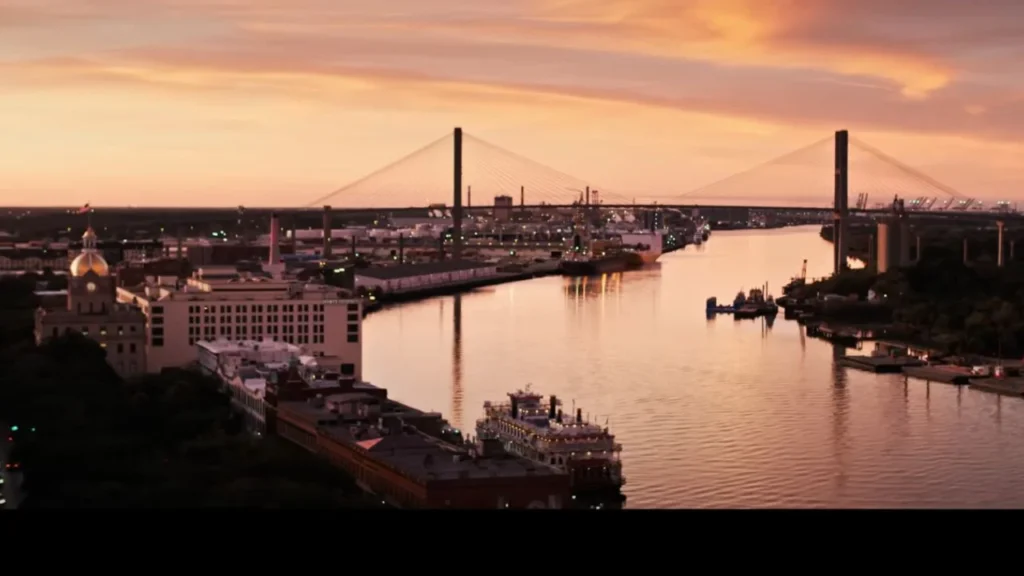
(711, 413)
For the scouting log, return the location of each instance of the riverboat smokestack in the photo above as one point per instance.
(552, 408)
(559, 417)
(515, 407)
(579, 415)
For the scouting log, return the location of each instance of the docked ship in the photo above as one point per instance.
(648, 245)
(586, 257)
(587, 452)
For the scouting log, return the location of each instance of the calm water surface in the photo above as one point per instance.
(711, 413)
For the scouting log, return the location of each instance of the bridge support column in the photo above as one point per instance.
(872, 263)
(457, 200)
(1013, 245)
(917, 249)
(840, 220)
(1000, 261)
(967, 256)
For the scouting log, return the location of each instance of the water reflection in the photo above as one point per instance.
(582, 287)
(711, 413)
(840, 413)
(456, 413)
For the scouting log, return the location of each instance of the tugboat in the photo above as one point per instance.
(586, 451)
(755, 304)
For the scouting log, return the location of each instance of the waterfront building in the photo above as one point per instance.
(92, 309)
(222, 304)
(405, 277)
(398, 453)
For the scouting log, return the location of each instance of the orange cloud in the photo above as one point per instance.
(776, 33)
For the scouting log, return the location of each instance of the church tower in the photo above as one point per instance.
(90, 287)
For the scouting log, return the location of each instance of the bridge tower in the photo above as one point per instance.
(457, 200)
(841, 213)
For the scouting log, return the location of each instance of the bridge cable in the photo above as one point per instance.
(917, 174)
(748, 171)
(319, 201)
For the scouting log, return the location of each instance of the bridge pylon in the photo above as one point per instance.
(457, 199)
(841, 203)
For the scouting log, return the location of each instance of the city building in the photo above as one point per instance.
(217, 304)
(210, 253)
(245, 367)
(33, 259)
(403, 277)
(503, 206)
(118, 251)
(92, 309)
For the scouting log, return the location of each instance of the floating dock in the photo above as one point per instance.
(940, 373)
(880, 364)
(1013, 386)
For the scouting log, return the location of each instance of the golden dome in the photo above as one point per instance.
(89, 261)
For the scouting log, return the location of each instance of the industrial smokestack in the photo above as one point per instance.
(469, 196)
(588, 197)
(326, 225)
(522, 197)
(275, 245)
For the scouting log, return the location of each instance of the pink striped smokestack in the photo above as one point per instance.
(275, 245)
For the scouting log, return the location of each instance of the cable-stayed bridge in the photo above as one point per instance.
(801, 179)
(460, 173)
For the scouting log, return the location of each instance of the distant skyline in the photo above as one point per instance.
(277, 102)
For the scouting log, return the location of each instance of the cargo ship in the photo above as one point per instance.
(529, 428)
(647, 245)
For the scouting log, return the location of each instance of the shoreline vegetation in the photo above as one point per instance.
(938, 303)
(89, 439)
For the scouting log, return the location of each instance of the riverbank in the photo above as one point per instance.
(373, 304)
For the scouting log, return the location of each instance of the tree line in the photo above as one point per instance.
(976, 308)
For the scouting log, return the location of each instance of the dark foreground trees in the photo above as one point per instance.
(86, 438)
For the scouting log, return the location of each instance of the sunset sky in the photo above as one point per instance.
(278, 102)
